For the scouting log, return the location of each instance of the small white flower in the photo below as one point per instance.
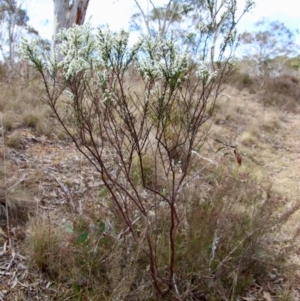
(77, 48)
(205, 74)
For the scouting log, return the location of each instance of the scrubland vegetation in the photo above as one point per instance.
(155, 206)
(146, 172)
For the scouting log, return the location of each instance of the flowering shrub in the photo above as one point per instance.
(133, 133)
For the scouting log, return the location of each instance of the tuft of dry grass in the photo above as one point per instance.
(11, 120)
(16, 204)
(271, 121)
(84, 259)
(45, 243)
(30, 120)
(248, 139)
(241, 80)
(15, 140)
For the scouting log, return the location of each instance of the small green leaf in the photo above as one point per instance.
(83, 237)
(102, 227)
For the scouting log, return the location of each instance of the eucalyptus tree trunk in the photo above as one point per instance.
(66, 13)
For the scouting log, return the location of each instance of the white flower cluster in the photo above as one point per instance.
(205, 74)
(156, 91)
(161, 59)
(41, 59)
(113, 48)
(102, 83)
(30, 51)
(80, 50)
(77, 48)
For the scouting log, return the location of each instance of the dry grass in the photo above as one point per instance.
(15, 140)
(282, 91)
(248, 139)
(45, 245)
(241, 80)
(271, 121)
(21, 105)
(16, 200)
(225, 236)
(80, 257)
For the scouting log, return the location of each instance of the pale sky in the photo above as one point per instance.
(116, 13)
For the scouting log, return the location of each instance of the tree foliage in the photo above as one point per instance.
(196, 24)
(13, 24)
(268, 47)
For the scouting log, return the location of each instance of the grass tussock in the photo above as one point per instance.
(15, 140)
(248, 139)
(17, 205)
(271, 121)
(81, 257)
(45, 245)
